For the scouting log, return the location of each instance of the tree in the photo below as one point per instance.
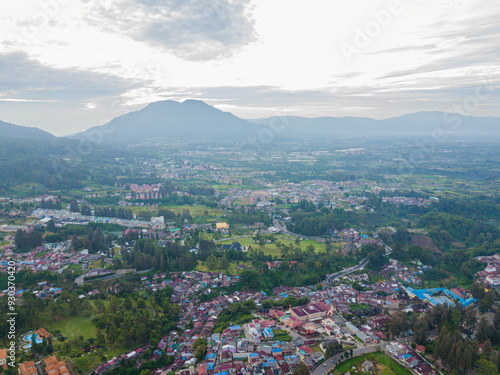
(487, 302)
(99, 306)
(200, 349)
(398, 324)
(224, 263)
(420, 330)
(128, 304)
(112, 334)
(73, 207)
(484, 330)
(487, 349)
(51, 226)
(486, 367)
(302, 369)
(141, 304)
(99, 340)
(114, 304)
(86, 210)
(470, 318)
(211, 262)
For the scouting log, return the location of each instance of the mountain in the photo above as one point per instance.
(196, 121)
(415, 124)
(8, 130)
(318, 127)
(191, 120)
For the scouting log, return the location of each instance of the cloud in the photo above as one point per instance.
(23, 78)
(195, 30)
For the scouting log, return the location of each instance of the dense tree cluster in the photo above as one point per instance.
(51, 205)
(28, 240)
(285, 302)
(333, 347)
(237, 313)
(201, 190)
(171, 257)
(303, 268)
(120, 212)
(93, 241)
(214, 263)
(248, 216)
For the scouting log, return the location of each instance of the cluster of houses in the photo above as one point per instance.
(116, 361)
(49, 257)
(408, 201)
(51, 366)
(255, 347)
(491, 274)
(411, 358)
(395, 270)
(64, 217)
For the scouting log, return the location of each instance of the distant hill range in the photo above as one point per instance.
(415, 124)
(191, 120)
(8, 130)
(196, 121)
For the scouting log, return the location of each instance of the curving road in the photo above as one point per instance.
(364, 262)
(347, 271)
(283, 229)
(333, 361)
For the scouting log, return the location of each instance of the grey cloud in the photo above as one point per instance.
(190, 29)
(25, 78)
(352, 101)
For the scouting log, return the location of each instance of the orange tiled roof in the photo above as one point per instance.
(50, 361)
(27, 368)
(43, 333)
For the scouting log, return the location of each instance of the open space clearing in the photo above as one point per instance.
(73, 327)
(386, 365)
(271, 249)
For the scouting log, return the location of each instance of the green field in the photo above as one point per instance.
(93, 358)
(232, 270)
(271, 249)
(73, 327)
(387, 365)
(281, 335)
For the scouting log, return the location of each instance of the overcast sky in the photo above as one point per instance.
(68, 65)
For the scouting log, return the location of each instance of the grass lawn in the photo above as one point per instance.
(73, 327)
(271, 249)
(387, 365)
(195, 211)
(233, 267)
(281, 335)
(93, 358)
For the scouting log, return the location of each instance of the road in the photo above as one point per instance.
(333, 361)
(347, 271)
(361, 264)
(283, 229)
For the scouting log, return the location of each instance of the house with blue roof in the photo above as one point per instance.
(438, 296)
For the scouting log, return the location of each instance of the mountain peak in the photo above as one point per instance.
(195, 102)
(189, 120)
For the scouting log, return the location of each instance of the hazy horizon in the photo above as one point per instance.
(66, 66)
